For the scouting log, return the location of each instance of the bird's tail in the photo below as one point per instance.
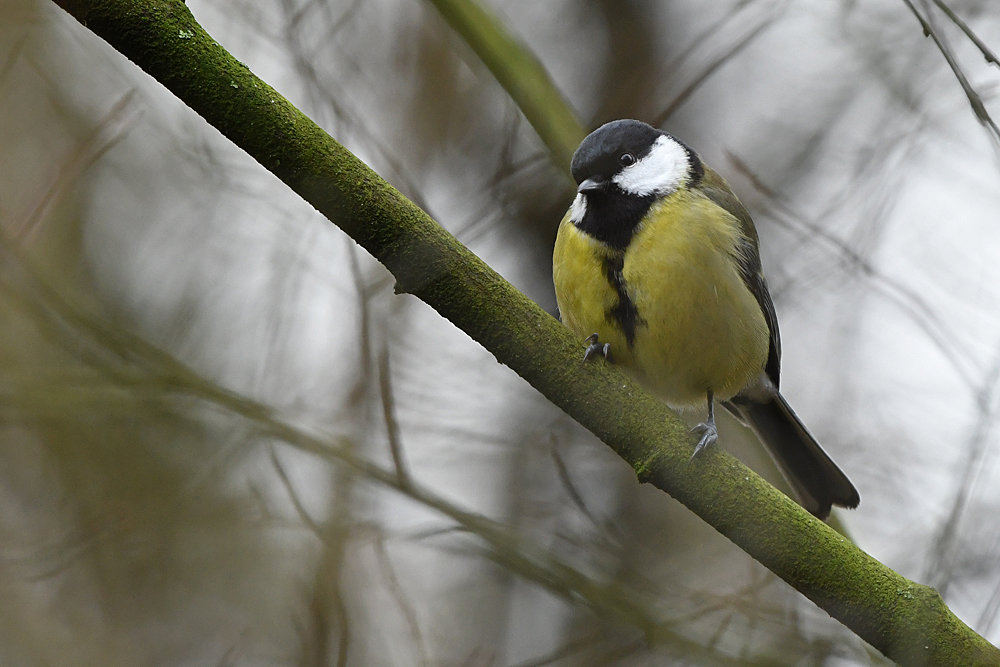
(813, 475)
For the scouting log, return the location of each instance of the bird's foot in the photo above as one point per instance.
(595, 347)
(709, 434)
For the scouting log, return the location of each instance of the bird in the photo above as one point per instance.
(657, 267)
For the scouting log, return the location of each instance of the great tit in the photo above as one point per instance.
(657, 264)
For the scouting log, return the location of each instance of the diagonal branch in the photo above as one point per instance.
(964, 27)
(521, 75)
(711, 68)
(975, 101)
(908, 622)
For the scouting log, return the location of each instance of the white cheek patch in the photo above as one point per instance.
(662, 171)
(578, 209)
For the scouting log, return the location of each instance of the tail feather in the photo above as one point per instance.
(813, 475)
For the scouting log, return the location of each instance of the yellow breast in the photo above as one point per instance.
(698, 326)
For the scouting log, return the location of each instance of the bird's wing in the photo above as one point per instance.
(713, 186)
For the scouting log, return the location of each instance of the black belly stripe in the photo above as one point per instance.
(624, 312)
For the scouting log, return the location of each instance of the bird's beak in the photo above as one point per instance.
(590, 185)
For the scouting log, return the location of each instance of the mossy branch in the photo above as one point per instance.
(520, 73)
(908, 622)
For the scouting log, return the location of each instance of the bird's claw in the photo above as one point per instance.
(709, 436)
(595, 347)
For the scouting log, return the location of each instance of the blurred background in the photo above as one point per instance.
(205, 387)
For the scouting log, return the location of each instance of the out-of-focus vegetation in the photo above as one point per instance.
(206, 387)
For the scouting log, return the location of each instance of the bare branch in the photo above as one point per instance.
(706, 73)
(957, 20)
(396, 589)
(391, 425)
(939, 570)
(568, 484)
(520, 73)
(111, 129)
(975, 101)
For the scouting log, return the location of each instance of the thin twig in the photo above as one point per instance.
(564, 651)
(708, 71)
(13, 56)
(396, 589)
(108, 131)
(991, 610)
(938, 572)
(975, 101)
(568, 484)
(957, 20)
(326, 92)
(391, 424)
(695, 42)
(294, 495)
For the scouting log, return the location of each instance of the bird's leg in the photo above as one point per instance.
(708, 430)
(593, 347)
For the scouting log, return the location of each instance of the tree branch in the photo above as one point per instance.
(908, 622)
(521, 75)
(980, 44)
(975, 101)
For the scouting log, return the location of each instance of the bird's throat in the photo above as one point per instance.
(612, 217)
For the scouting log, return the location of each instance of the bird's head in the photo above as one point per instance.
(621, 168)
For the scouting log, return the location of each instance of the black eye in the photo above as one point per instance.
(627, 159)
